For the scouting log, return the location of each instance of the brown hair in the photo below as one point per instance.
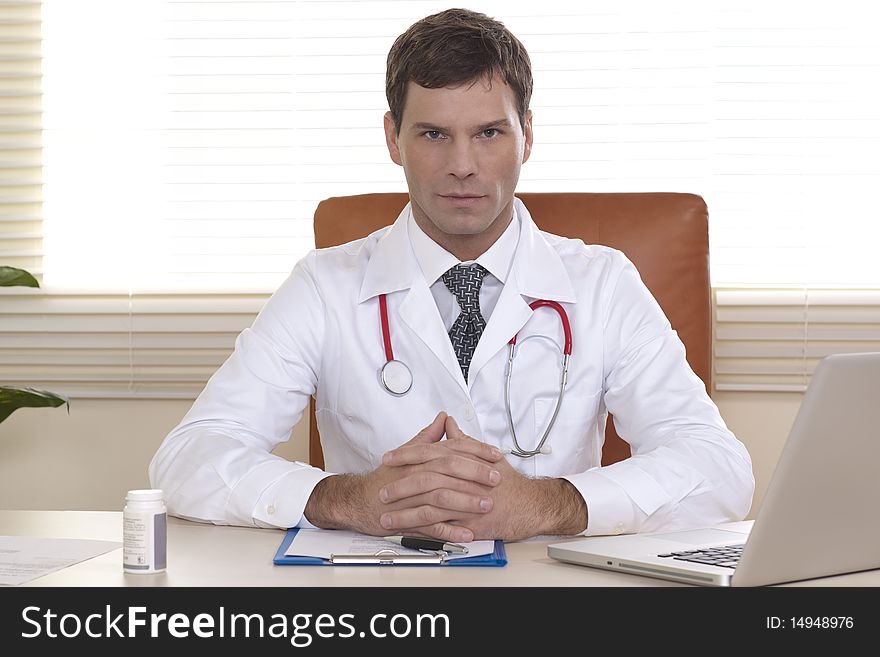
(454, 47)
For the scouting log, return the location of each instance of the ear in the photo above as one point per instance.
(391, 139)
(527, 132)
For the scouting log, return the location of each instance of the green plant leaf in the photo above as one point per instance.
(11, 399)
(10, 276)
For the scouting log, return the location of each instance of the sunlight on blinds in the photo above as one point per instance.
(188, 143)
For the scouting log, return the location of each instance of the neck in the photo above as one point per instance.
(465, 247)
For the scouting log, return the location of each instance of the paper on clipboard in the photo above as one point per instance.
(322, 543)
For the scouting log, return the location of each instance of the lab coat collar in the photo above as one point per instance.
(537, 269)
(392, 265)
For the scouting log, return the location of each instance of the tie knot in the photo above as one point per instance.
(464, 281)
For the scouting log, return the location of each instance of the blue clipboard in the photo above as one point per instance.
(387, 558)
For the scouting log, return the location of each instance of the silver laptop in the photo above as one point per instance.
(820, 513)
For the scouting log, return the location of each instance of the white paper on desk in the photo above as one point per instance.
(23, 558)
(324, 542)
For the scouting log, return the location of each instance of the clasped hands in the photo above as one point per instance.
(458, 489)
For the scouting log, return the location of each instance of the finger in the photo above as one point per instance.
(414, 454)
(419, 518)
(452, 500)
(456, 436)
(453, 430)
(431, 433)
(438, 490)
(450, 463)
(474, 448)
(445, 532)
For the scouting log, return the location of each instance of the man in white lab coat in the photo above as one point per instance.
(457, 271)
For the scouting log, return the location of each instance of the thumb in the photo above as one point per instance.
(433, 432)
(452, 428)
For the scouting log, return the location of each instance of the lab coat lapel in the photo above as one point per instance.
(419, 312)
(510, 314)
(537, 272)
(393, 268)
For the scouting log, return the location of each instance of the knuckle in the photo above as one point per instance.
(457, 443)
(424, 515)
(444, 498)
(441, 531)
(424, 480)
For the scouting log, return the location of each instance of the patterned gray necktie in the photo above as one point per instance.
(464, 282)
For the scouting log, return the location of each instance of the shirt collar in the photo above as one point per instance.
(434, 260)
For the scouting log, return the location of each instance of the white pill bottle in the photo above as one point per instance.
(144, 535)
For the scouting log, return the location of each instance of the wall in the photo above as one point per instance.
(88, 459)
(91, 457)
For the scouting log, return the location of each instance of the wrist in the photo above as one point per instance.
(565, 511)
(334, 502)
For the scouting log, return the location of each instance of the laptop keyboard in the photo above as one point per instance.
(725, 556)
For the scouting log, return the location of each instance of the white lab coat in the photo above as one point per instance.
(320, 335)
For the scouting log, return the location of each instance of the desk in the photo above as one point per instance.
(208, 555)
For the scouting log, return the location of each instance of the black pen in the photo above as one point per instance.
(418, 543)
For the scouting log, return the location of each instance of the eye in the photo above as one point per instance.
(433, 135)
(490, 133)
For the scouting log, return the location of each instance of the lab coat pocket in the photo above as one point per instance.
(573, 441)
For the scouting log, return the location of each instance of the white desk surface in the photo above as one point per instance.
(208, 555)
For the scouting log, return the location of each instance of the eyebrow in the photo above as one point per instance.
(498, 123)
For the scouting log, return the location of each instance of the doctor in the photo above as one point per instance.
(440, 293)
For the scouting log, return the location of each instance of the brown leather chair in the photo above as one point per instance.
(665, 235)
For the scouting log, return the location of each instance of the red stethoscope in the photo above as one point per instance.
(397, 378)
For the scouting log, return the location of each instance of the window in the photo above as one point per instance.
(188, 142)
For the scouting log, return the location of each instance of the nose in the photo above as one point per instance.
(462, 160)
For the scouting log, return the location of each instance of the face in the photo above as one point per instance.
(461, 149)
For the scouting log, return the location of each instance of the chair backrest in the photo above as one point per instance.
(665, 235)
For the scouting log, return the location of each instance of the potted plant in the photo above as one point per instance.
(12, 398)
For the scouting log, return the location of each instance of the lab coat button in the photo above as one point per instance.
(468, 412)
(270, 509)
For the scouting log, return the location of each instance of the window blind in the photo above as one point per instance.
(187, 144)
(20, 136)
(793, 229)
(118, 346)
(771, 340)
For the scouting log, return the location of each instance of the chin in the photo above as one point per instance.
(462, 230)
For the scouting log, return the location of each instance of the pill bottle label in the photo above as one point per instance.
(144, 542)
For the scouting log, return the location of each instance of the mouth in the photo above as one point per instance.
(462, 200)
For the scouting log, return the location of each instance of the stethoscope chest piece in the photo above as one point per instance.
(396, 377)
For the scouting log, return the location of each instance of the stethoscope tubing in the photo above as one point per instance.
(508, 373)
(396, 376)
